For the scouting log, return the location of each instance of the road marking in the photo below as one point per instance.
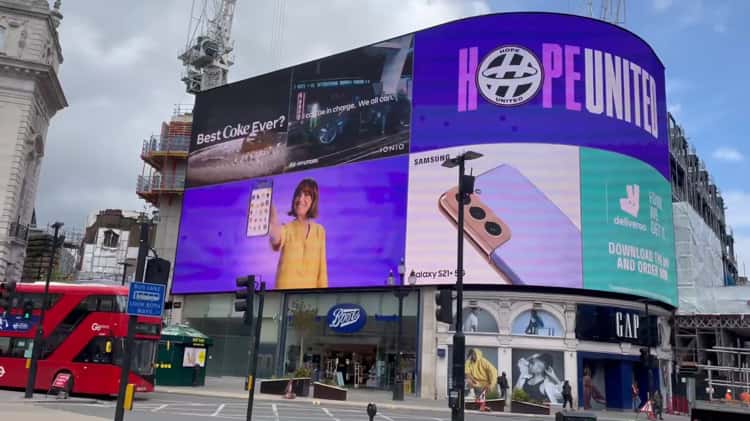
(159, 408)
(218, 410)
(384, 417)
(275, 411)
(329, 414)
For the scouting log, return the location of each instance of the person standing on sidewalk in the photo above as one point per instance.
(635, 394)
(502, 384)
(567, 393)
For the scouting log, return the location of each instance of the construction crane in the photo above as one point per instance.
(208, 50)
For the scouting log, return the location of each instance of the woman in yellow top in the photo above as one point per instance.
(302, 242)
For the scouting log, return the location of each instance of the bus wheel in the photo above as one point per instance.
(68, 386)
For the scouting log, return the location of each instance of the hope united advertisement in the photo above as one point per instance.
(328, 173)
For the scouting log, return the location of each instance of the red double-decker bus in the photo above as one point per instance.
(85, 327)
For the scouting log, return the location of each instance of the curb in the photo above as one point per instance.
(312, 401)
(358, 404)
(65, 401)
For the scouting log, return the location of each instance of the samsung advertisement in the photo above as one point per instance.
(329, 173)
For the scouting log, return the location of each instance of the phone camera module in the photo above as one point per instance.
(477, 213)
(493, 228)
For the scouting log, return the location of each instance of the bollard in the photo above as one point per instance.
(372, 410)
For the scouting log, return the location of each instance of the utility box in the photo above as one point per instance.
(182, 357)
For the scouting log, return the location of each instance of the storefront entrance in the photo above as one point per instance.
(339, 353)
(611, 377)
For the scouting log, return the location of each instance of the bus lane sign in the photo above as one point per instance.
(146, 299)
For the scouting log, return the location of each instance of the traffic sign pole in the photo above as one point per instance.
(140, 265)
(256, 346)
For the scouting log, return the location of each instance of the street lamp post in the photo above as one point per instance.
(400, 292)
(38, 337)
(465, 188)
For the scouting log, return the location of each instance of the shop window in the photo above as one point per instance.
(478, 320)
(537, 323)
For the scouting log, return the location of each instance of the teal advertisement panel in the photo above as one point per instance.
(628, 239)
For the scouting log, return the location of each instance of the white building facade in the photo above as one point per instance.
(571, 335)
(109, 241)
(30, 95)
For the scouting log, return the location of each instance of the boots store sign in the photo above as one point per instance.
(346, 318)
(611, 324)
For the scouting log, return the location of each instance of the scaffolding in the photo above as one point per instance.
(692, 183)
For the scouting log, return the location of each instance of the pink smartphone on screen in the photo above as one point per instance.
(525, 236)
(259, 208)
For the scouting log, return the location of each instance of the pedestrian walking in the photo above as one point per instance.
(658, 404)
(567, 393)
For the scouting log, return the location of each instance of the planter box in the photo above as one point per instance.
(324, 391)
(300, 385)
(495, 405)
(529, 408)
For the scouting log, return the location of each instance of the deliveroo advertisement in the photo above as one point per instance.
(628, 239)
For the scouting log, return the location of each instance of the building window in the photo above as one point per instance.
(2, 39)
(537, 323)
(111, 239)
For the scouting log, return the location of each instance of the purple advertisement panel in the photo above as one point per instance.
(332, 227)
(541, 78)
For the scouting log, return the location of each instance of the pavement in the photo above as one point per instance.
(225, 398)
(233, 388)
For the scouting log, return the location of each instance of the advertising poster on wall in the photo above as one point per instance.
(572, 190)
(260, 226)
(627, 215)
(523, 224)
(480, 369)
(194, 357)
(352, 106)
(579, 82)
(539, 373)
(241, 132)
(537, 323)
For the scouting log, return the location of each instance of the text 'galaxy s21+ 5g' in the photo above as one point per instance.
(259, 208)
(543, 246)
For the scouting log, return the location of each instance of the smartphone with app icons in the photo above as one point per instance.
(522, 233)
(259, 208)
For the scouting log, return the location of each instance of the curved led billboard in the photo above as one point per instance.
(329, 173)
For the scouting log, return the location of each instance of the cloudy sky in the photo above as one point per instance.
(122, 79)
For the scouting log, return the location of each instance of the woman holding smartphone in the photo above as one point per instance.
(301, 242)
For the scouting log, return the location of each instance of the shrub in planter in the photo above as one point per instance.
(522, 402)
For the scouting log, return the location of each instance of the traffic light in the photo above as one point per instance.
(6, 294)
(157, 271)
(444, 306)
(244, 295)
(28, 308)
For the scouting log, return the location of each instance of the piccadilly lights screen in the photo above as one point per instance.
(327, 174)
